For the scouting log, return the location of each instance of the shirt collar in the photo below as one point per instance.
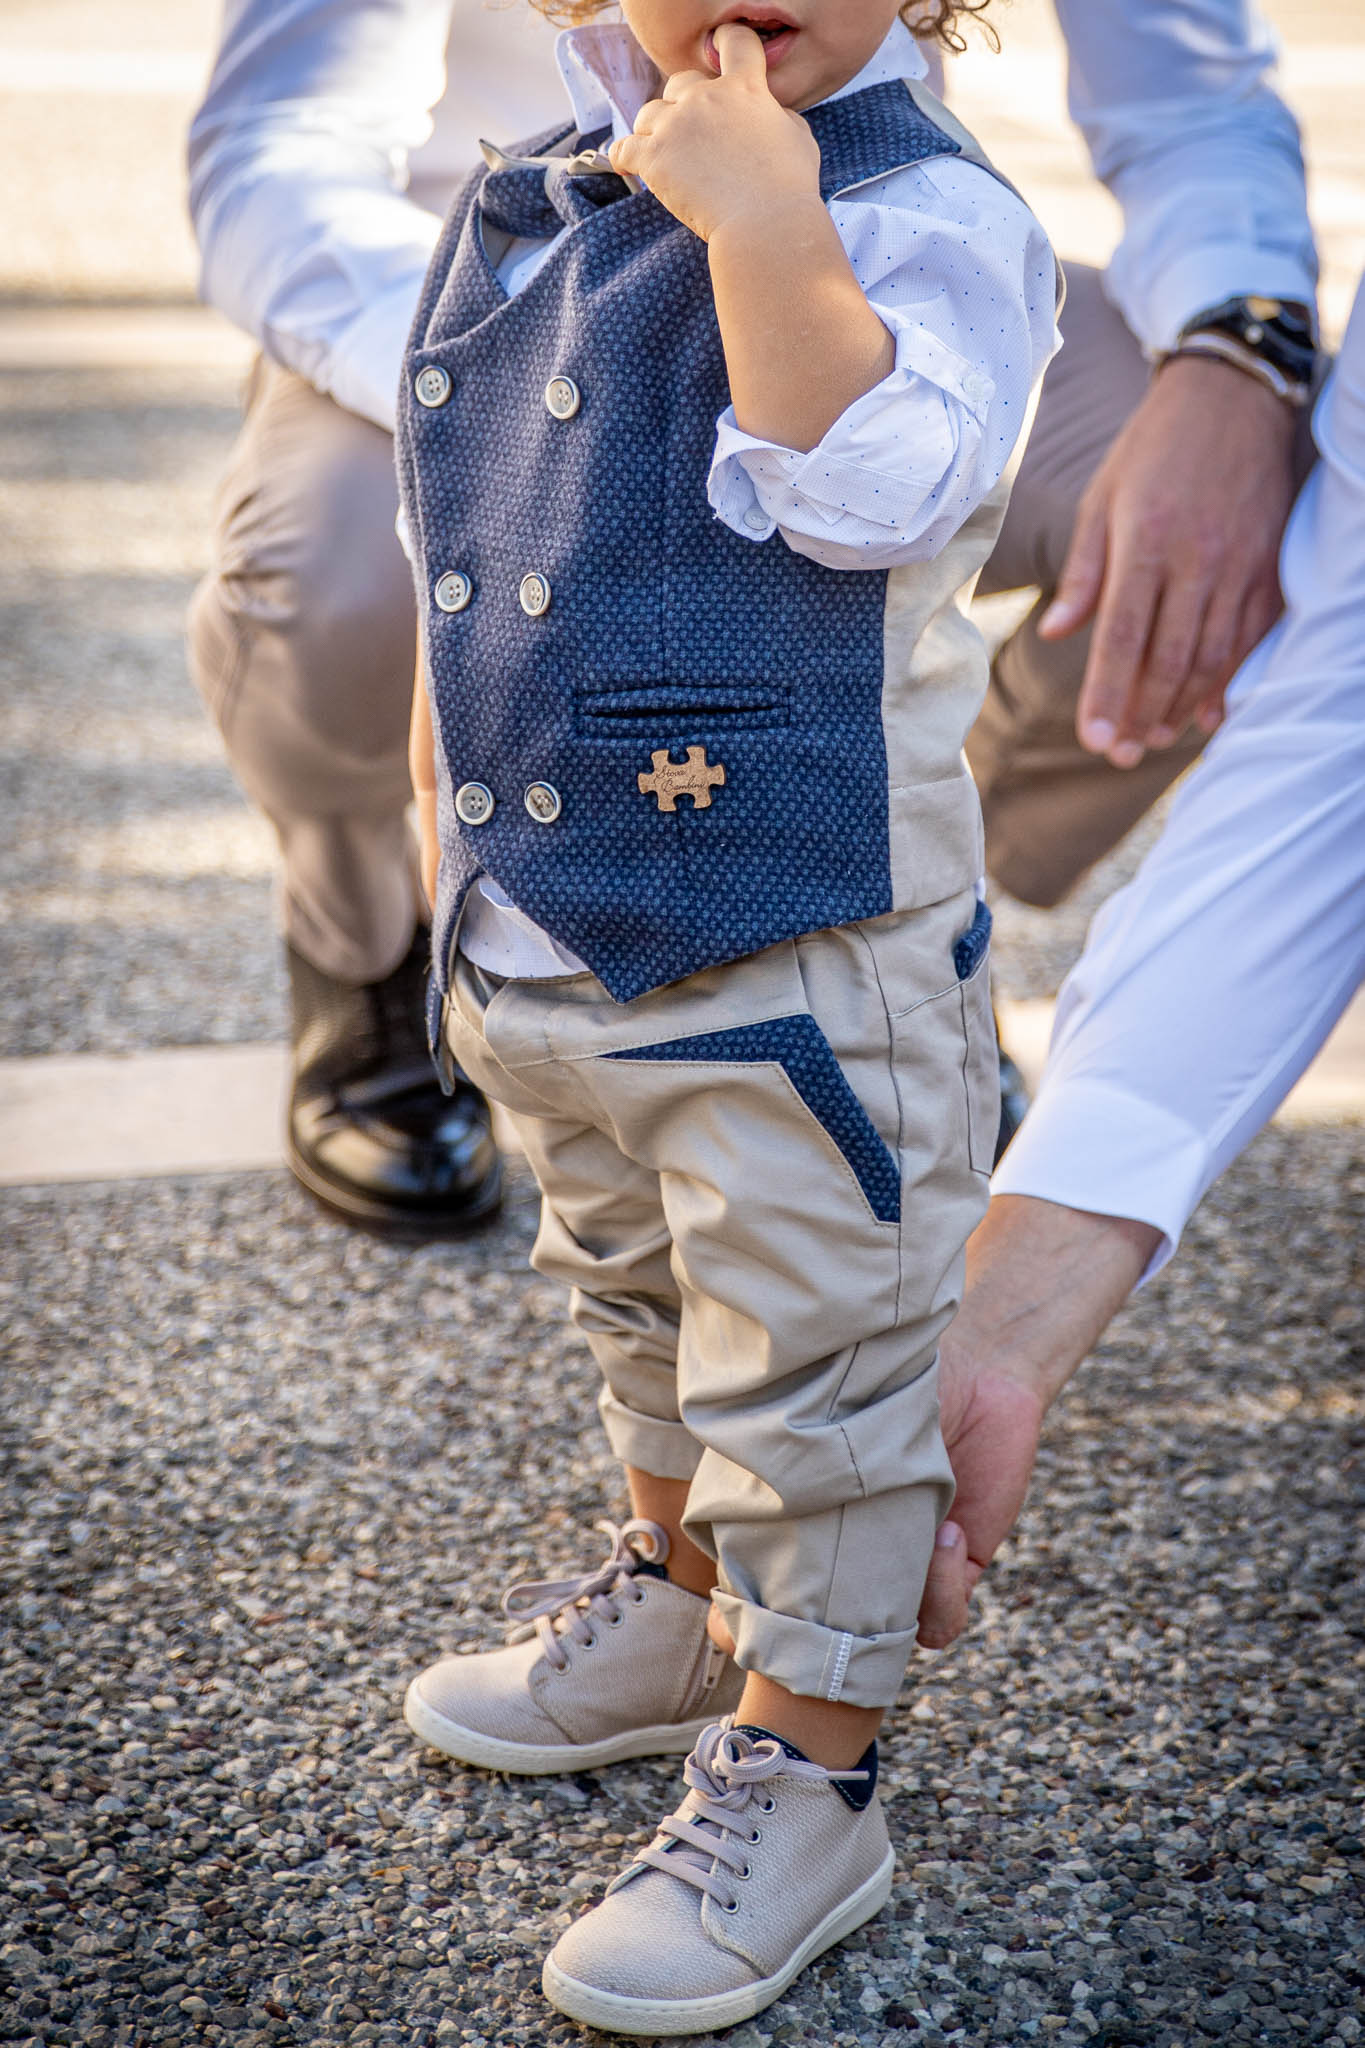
(609, 78)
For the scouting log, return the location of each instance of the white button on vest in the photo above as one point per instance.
(474, 803)
(563, 397)
(534, 595)
(756, 519)
(453, 591)
(432, 385)
(544, 802)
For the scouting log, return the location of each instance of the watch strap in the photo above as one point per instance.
(1222, 348)
(1274, 340)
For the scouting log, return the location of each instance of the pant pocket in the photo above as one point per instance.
(800, 1048)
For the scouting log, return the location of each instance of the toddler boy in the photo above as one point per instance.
(705, 424)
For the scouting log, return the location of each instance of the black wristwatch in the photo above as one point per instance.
(1273, 340)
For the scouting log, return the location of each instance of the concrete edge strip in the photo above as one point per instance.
(208, 1109)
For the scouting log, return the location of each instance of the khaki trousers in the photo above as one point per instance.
(301, 642)
(757, 1184)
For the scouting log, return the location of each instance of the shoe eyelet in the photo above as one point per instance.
(767, 1806)
(589, 1642)
(639, 1597)
(731, 1907)
(616, 1621)
(745, 1874)
(757, 1835)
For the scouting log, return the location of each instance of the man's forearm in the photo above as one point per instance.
(1176, 102)
(338, 318)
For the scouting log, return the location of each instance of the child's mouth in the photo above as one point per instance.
(776, 36)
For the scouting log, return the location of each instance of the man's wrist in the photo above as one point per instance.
(1043, 1282)
(1222, 387)
(1272, 341)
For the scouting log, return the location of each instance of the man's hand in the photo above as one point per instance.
(714, 150)
(1174, 556)
(1043, 1282)
(990, 1424)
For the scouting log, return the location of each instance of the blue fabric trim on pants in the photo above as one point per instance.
(800, 1048)
(970, 950)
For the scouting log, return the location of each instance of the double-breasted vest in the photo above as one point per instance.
(668, 744)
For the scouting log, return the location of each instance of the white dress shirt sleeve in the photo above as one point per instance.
(297, 162)
(1204, 158)
(963, 276)
(1209, 983)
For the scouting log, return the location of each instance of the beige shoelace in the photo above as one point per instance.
(726, 1770)
(598, 1596)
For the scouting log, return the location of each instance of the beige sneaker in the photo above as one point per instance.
(764, 1866)
(613, 1664)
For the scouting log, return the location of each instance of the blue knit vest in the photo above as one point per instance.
(664, 631)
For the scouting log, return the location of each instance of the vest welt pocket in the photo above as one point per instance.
(648, 713)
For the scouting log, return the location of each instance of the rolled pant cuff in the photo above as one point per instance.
(649, 1443)
(817, 1662)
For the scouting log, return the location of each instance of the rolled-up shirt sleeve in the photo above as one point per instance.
(963, 277)
(1176, 104)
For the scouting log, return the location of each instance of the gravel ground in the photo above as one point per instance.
(259, 1468)
(130, 857)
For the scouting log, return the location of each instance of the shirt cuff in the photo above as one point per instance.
(1157, 308)
(1093, 1145)
(367, 359)
(882, 459)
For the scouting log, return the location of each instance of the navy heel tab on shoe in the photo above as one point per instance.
(857, 1794)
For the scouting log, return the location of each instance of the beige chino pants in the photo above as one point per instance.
(301, 642)
(757, 1184)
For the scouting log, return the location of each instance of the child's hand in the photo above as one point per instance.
(716, 150)
(422, 769)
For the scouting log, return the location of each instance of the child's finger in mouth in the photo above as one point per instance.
(776, 34)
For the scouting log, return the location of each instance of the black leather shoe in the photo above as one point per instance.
(370, 1132)
(1014, 1099)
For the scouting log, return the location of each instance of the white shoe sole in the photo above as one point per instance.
(536, 1760)
(614, 2014)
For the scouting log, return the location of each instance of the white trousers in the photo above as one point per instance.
(1210, 982)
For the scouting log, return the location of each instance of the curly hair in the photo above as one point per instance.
(932, 21)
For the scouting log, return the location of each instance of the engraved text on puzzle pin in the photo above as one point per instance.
(672, 779)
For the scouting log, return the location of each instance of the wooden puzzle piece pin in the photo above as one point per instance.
(672, 779)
